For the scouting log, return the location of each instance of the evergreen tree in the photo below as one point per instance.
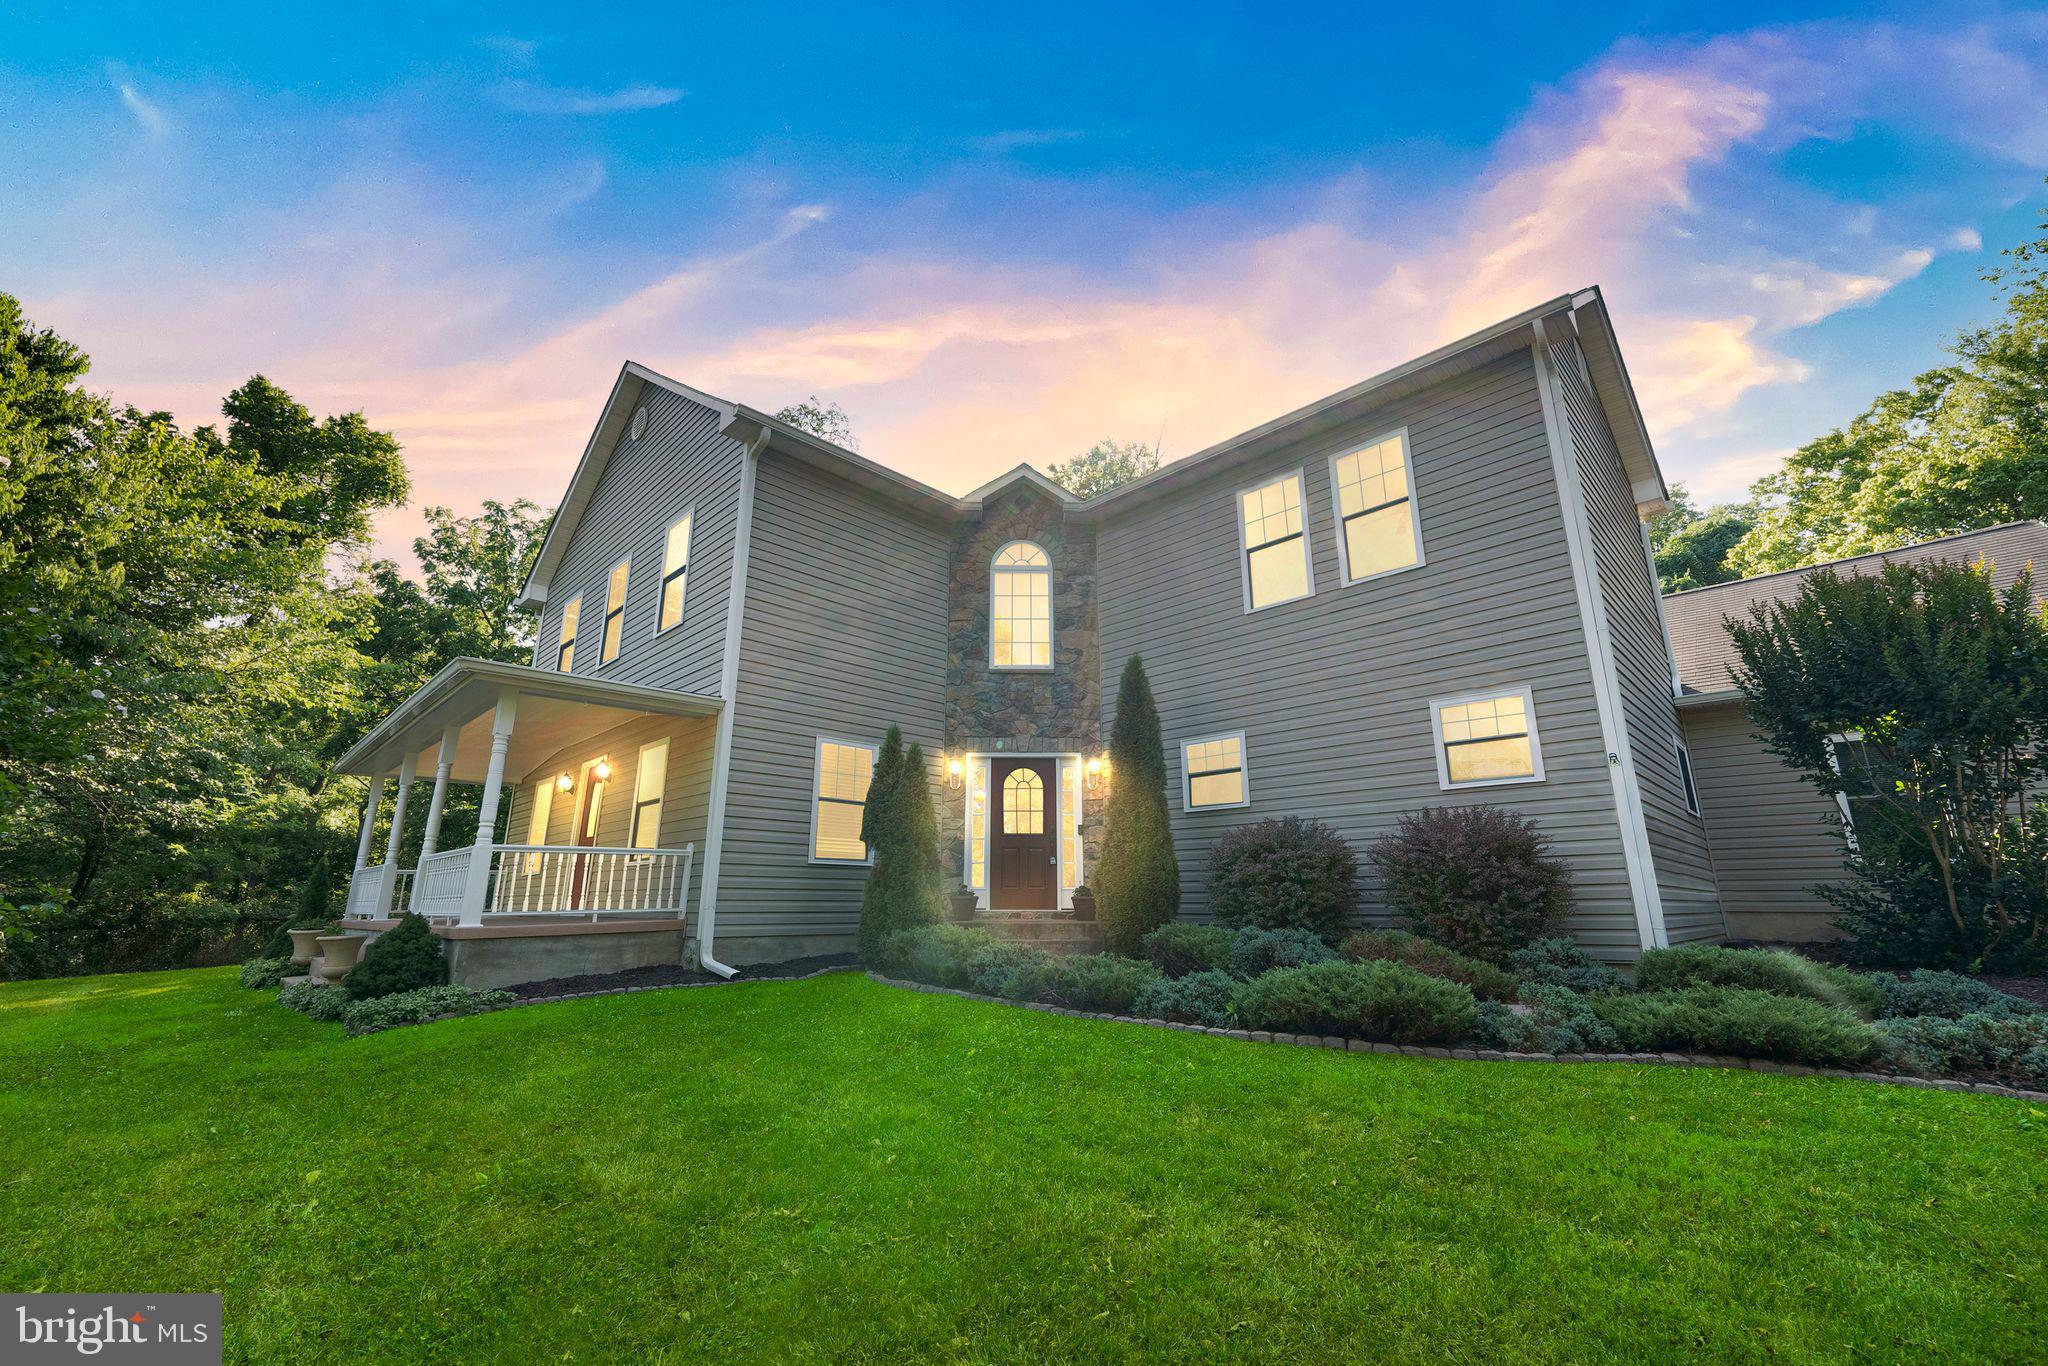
(880, 830)
(921, 887)
(1137, 879)
(315, 910)
(404, 958)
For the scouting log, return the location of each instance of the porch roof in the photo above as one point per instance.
(555, 709)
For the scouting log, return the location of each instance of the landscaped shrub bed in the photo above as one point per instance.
(1556, 1020)
(261, 973)
(1179, 949)
(1201, 998)
(2011, 1049)
(1487, 981)
(1949, 995)
(314, 1001)
(1380, 1000)
(1561, 963)
(1741, 1022)
(1772, 970)
(379, 1013)
(1256, 951)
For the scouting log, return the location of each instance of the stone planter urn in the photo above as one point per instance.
(1084, 904)
(305, 944)
(338, 953)
(960, 906)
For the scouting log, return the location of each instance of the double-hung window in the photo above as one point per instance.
(1690, 789)
(614, 614)
(839, 800)
(1378, 529)
(565, 653)
(648, 783)
(1213, 772)
(1275, 544)
(1486, 739)
(675, 567)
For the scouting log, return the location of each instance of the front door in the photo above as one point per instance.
(586, 827)
(1023, 873)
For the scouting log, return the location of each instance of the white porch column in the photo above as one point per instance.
(478, 885)
(443, 764)
(370, 805)
(408, 769)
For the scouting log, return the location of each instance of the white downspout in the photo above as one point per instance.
(728, 692)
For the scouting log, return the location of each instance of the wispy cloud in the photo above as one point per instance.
(152, 120)
(534, 98)
(515, 52)
(1018, 139)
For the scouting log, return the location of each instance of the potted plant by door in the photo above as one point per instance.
(1084, 903)
(960, 904)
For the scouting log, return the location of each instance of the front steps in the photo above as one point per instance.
(1053, 931)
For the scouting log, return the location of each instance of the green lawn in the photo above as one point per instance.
(837, 1169)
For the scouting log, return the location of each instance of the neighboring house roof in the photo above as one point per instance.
(1584, 312)
(1705, 653)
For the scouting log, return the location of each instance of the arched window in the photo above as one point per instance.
(1020, 608)
(1023, 803)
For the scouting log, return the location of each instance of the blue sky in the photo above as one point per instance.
(997, 235)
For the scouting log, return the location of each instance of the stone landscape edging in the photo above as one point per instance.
(1332, 1041)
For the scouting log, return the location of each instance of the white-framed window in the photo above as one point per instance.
(1486, 739)
(675, 573)
(648, 782)
(1020, 608)
(565, 651)
(977, 821)
(1070, 823)
(1848, 746)
(839, 799)
(1379, 530)
(1691, 789)
(1272, 532)
(537, 820)
(614, 614)
(1213, 772)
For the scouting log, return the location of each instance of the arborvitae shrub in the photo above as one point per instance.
(1478, 879)
(1283, 874)
(1179, 949)
(880, 829)
(403, 958)
(1137, 877)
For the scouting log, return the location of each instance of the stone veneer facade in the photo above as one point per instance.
(991, 711)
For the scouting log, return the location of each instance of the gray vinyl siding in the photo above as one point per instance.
(681, 463)
(1333, 691)
(1774, 837)
(686, 792)
(1642, 662)
(844, 634)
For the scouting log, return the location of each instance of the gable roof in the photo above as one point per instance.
(1705, 653)
(1030, 478)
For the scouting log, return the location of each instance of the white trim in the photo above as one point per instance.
(728, 692)
(1663, 620)
(817, 776)
(1628, 806)
(1443, 762)
(1842, 798)
(1020, 474)
(1688, 781)
(1063, 896)
(1337, 507)
(1244, 773)
(1244, 549)
(688, 514)
(1051, 619)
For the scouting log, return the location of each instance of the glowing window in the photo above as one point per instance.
(647, 792)
(1275, 544)
(977, 821)
(565, 653)
(1070, 823)
(1020, 608)
(1376, 529)
(841, 799)
(675, 568)
(614, 614)
(1023, 803)
(1486, 739)
(1213, 772)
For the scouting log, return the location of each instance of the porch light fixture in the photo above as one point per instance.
(1097, 770)
(602, 770)
(565, 782)
(956, 772)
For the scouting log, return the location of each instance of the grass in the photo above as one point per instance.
(835, 1169)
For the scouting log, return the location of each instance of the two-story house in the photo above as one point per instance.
(1433, 587)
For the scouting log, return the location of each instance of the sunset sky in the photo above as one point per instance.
(997, 234)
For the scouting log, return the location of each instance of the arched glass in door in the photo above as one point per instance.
(1023, 803)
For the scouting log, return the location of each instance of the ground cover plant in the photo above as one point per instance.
(1772, 970)
(873, 1173)
(1486, 980)
(1740, 1022)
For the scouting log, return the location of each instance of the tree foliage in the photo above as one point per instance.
(1691, 547)
(1137, 877)
(828, 420)
(902, 835)
(1941, 683)
(1106, 465)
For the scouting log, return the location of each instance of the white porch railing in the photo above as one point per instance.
(558, 879)
(363, 891)
(438, 883)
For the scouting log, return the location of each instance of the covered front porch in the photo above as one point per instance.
(599, 778)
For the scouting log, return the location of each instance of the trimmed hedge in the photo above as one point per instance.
(1394, 946)
(406, 957)
(1283, 874)
(379, 1013)
(261, 973)
(1479, 879)
(1562, 963)
(1772, 970)
(1256, 952)
(1383, 1001)
(1949, 995)
(2014, 1049)
(313, 1001)
(1742, 1022)
(1178, 949)
(1201, 998)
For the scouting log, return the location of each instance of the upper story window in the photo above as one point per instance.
(1690, 788)
(1486, 739)
(614, 615)
(675, 567)
(1020, 608)
(565, 653)
(1275, 544)
(1378, 529)
(839, 801)
(1213, 772)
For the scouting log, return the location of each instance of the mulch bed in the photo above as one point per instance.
(676, 975)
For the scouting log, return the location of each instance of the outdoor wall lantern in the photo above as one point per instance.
(602, 770)
(565, 783)
(1097, 769)
(956, 771)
